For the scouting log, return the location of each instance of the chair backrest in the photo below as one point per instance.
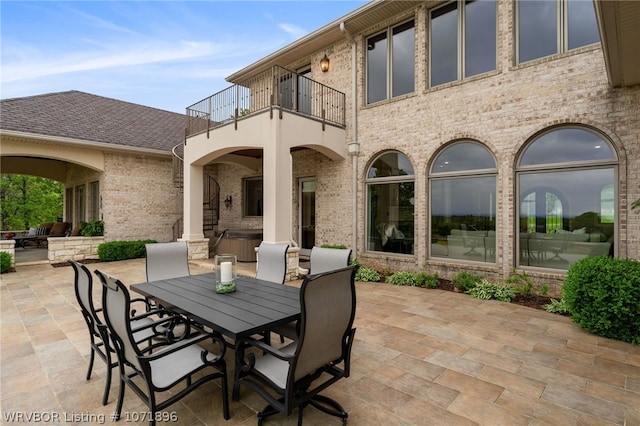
(115, 305)
(167, 260)
(83, 285)
(328, 305)
(328, 259)
(272, 262)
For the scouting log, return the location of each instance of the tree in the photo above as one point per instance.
(26, 201)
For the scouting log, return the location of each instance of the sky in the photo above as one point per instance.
(163, 54)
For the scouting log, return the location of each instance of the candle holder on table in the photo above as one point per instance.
(226, 273)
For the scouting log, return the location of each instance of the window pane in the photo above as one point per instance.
(566, 145)
(390, 164)
(377, 68)
(463, 156)
(390, 211)
(403, 63)
(561, 217)
(583, 29)
(480, 37)
(253, 197)
(463, 218)
(80, 204)
(537, 29)
(444, 44)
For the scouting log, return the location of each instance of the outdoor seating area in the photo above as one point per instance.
(419, 357)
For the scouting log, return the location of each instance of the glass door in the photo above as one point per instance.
(307, 190)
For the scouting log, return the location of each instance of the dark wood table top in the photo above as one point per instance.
(255, 306)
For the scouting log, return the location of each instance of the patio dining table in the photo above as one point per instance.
(254, 308)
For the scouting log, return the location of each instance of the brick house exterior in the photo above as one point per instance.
(503, 110)
(121, 148)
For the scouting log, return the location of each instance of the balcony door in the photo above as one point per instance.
(307, 191)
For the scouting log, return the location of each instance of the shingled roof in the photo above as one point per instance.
(93, 118)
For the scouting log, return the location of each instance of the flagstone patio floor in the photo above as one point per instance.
(421, 357)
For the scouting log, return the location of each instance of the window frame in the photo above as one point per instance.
(389, 88)
(562, 32)
(94, 200)
(386, 180)
(561, 167)
(461, 175)
(461, 43)
(246, 197)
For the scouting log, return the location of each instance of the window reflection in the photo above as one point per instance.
(390, 204)
(463, 207)
(566, 213)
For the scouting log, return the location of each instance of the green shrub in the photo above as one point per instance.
(402, 278)
(603, 296)
(557, 307)
(486, 290)
(465, 281)
(521, 283)
(427, 280)
(92, 229)
(122, 250)
(365, 274)
(5, 261)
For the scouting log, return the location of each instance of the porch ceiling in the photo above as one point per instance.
(620, 32)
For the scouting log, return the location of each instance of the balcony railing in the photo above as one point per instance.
(275, 87)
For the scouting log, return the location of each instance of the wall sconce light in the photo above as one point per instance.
(324, 63)
(228, 201)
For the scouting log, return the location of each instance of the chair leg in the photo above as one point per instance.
(329, 406)
(225, 390)
(91, 359)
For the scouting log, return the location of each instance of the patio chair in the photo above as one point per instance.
(294, 375)
(99, 336)
(272, 262)
(149, 374)
(324, 259)
(167, 260)
(321, 260)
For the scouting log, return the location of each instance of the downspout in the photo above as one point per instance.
(353, 146)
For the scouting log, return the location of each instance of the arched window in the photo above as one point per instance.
(463, 203)
(390, 199)
(567, 197)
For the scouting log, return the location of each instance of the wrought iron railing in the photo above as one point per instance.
(275, 87)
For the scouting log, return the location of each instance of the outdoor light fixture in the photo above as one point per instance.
(228, 201)
(324, 63)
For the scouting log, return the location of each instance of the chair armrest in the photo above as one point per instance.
(267, 348)
(185, 343)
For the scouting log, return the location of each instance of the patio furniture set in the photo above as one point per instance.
(183, 326)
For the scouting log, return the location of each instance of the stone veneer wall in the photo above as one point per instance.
(62, 249)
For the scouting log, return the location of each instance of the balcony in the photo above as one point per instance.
(276, 89)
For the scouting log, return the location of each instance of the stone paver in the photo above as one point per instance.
(421, 357)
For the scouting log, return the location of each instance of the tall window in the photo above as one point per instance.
(547, 27)
(463, 203)
(390, 199)
(94, 200)
(252, 188)
(463, 40)
(391, 65)
(80, 215)
(566, 187)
